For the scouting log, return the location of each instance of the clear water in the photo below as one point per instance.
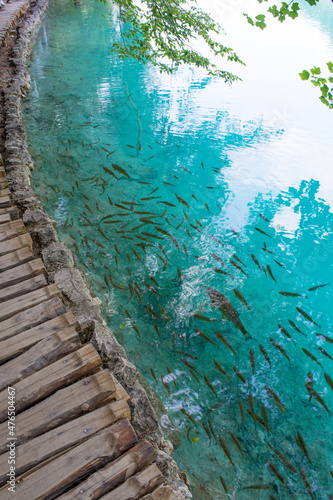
(231, 154)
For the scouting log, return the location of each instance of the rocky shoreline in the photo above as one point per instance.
(59, 260)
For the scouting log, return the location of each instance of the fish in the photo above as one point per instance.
(286, 462)
(206, 428)
(251, 407)
(179, 225)
(188, 355)
(269, 270)
(194, 197)
(278, 263)
(241, 298)
(186, 363)
(241, 409)
(150, 198)
(301, 444)
(182, 201)
(211, 428)
(185, 250)
(262, 232)
(263, 268)
(328, 339)
(279, 348)
(215, 239)
(295, 327)
(221, 478)
(195, 227)
(136, 254)
(226, 450)
(325, 353)
(238, 260)
(224, 340)
(266, 249)
(214, 407)
(257, 487)
(108, 171)
(276, 473)
(161, 230)
(199, 223)
(306, 482)
(188, 233)
(222, 272)
(163, 311)
(255, 260)
(284, 331)
(329, 381)
(276, 399)
(153, 313)
(252, 361)
(210, 385)
(167, 203)
(239, 375)
(120, 170)
(200, 317)
(207, 207)
(306, 316)
(187, 415)
(314, 393)
(204, 336)
(168, 184)
(264, 218)
(216, 257)
(237, 443)
(311, 356)
(226, 308)
(291, 294)
(265, 417)
(157, 330)
(318, 286)
(135, 328)
(220, 369)
(186, 170)
(237, 267)
(166, 385)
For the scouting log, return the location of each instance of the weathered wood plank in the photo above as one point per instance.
(50, 379)
(164, 493)
(21, 273)
(22, 288)
(63, 406)
(5, 201)
(4, 218)
(31, 317)
(31, 299)
(118, 471)
(63, 472)
(14, 224)
(13, 259)
(43, 353)
(35, 452)
(136, 486)
(24, 240)
(18, 343)
(8, 234)
(12, 211)
(121, 393)
(5, 192)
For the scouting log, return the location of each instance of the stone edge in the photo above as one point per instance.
(59, 261)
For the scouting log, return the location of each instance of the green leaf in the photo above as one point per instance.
(249, 20)
(330, 66)
(194, 439)
(305, 75)
(315, 70)
(122, 325)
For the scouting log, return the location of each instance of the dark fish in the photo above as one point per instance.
(195, 227)
(325, 353)
(215, 239)
(185, 250)
(316, 287)
(257, 487)
(276, 399)
(255, 260)
(329, 381)
(153, 374)
(222, 272)
(301, 444)
(226, 450)
(227, 309)
(264, 218)
(167, 203)
(306, 482)
(251, 406)
(182, 201)
(276, 473)
(306, 316)
(207, 207)
(262, 232)
(279, 348)
(188, 233)
(315, 394)
(237, 267)
(252, 361)
(211, 428)
(199, 224)
(311, 356)
(168, 184)
(237, 443)
(185, 170)
(220, 369)
(163, 311)
(216, 257)
(157, 330)
(328, 339)
(206, 428)
(188, 355)
(200, 317)
(241, 409)
(269, 270)
(265, 417)
(168, 391)
(205, 337)
(238, 260)
(241, 298)
(135, 328)
(286, 462)
(221, 478)
(182, 222)
(291, 294)
(284, 331)
(187, 415)
(224, 340)
(209, 385)
(153, 313)
(239, 375)
(266, 249)
(161, 230)
(194, 197)
(263, 268)
(295, 327)
(215, 407)
(278, 263)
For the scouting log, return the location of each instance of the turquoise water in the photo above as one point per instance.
(226, 160)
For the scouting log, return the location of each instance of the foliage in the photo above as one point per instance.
(325, 84)
(160, 32)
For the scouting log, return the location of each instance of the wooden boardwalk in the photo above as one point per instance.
(64, 421)
(8, 17)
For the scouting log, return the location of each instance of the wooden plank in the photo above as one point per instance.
(54, 478)
(31, 317)
(14, 224)
(50, 379)
(21, 273)
(49, 445)
(8, 234)
(12, 211)
(21, 288)
(108, 478)
(136, 486)
(43, 353)
(16, 344)
(4, 218)
(14, 259)
(165, 493)
(63, 406)
(121, 393)
(24, 240)
(31, 299)
(5, 201)
(5, 192)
